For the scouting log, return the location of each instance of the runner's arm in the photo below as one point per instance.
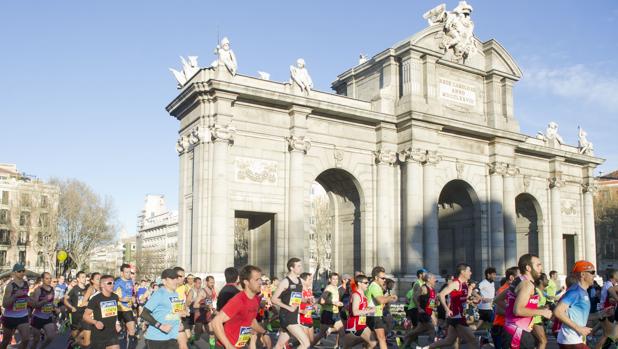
(68, 304)
(217, 327)
(561, 314)
(8, 298)
(276, 300)
(88, 318)
(500, 302)
(86, 297)
(611, 292)
(257, 328)
(452, 286)
(524, 291)
(35, 296)
(147, 316)
(416, 294)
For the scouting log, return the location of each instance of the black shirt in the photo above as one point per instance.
(227, 292)
(76, 295)
(104, 309)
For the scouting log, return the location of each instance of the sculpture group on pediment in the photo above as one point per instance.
(583, 144)
(457, 30)
(189, 68)
(551, 133)
(225, 57)
(299, 75)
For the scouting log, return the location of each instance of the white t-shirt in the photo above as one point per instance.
(488, 291)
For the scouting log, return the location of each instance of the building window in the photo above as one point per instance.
(24, 219)
(25, 200)
(609, 249)
(22, 257)
(40, 259)
(5, 199)
(43, 220)
(2, 257)
(4, 238)
(4, 216)
(43, 201)
(39, 238)
(23, 238)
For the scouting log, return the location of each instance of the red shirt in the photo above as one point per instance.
(306, 319)
(458, 298)
(499, 319)
(241, 310)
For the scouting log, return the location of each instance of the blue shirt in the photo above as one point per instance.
(579, 308)
(166, 308)
(124, 288)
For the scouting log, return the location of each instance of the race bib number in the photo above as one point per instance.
(335, 309)
(296, 298)
(362, 320)
(47, 308)
(432, 304)
(308, 312)
(20, 304)
(79, 300)
(109, 309)
(244, 336)
(178, 305)
(208, 301)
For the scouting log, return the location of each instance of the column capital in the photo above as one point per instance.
(386, 157)
(298, 143)
(181, 145)
(498, 168)
(512, 170)
(590, 187)
(223, 133)
(412, 155)
(432, 158)
(556, 181)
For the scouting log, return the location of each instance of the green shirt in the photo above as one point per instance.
(410, 294)
(331, 298)
(373, 292)
(542, 301)
(551, 289)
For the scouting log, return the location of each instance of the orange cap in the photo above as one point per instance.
(583, 266)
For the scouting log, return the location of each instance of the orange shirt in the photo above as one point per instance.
(499, 320)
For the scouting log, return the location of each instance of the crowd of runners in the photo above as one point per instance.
(252, 310)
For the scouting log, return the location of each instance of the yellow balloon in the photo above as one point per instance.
(62, 256)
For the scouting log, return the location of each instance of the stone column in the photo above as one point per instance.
(510, 216)
(413, 215)
(496, 193)
(221, 232)
(430, 213)
(298, 145)
(385, 242)
(556, 248)
(589, 233)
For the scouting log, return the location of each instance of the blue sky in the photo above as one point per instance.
(84, 84)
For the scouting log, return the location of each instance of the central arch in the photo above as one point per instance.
(459, 222)
(335, 222)
(529, 225)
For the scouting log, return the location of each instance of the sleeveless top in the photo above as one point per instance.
(19, 308)
(428, 301)
(458, 298)
(357, 323)
(126, 290)
(512, 320)
(306, 319)
(45, 310)
(291, 296)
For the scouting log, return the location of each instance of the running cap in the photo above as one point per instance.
(421, 271)
(18, 267)
(169, 274)
(582, 266)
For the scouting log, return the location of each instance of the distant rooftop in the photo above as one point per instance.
(609, 177)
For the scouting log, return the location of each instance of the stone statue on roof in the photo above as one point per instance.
(583, 144)
(300, 76)
(189, 68)
(457, 30)
(225, 57)
(551, 134)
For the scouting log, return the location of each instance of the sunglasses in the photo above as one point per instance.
(592, 272)
(382, 278)
(20, 271)
(364, 282)
(109, 283)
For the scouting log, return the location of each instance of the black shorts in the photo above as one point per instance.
(375, 322)
(186, 322)
(413, 316)
(13, 322)
(329, 318)
(486, 315)
(423, 318)
(76, 320)
(457, 322)
(168, 344)
(356, 333)
(527, 340)
(39, 323)
(287, 318)
(102, 343)
(126, 316)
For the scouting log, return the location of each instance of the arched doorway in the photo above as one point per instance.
(335, 222)
(528, 224)
(459, 235)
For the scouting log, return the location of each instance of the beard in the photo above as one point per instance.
(535, 275)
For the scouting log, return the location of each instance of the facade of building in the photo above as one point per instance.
(108, 258)
(419, 151)
(606, 212)
(157, 237)
(28, 215)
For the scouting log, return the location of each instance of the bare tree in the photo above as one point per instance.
(149, 263)
(241, 242)
(84, 220)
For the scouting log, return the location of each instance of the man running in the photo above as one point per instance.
(102, 314)
(330, 303)
(182, 289)
(123, 287)
(376, 299)
(43, 304)
(522, 305)
(458, 294)
(497, 330)
(412, 297)
(93, 290)
(426, 306)
(608, 301)
(230, 289)
(288, 297)
(356, 326)
(235, 323)
(163, 312)
(76, 305)
(15, 304)
(487, 290)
